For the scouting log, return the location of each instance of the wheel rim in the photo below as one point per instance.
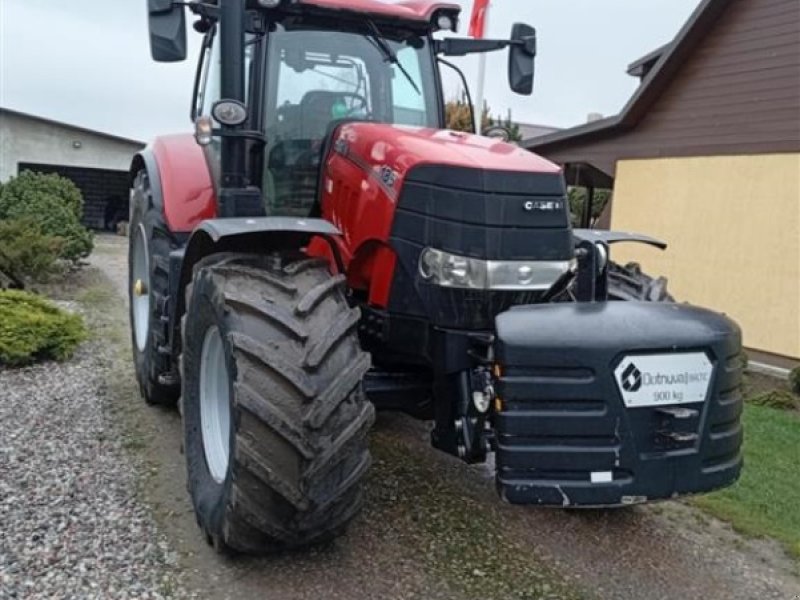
(140, 289)
(215, 416)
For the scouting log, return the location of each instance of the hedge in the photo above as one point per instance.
(54, 203)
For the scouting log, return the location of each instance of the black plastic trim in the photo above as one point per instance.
(563, 417)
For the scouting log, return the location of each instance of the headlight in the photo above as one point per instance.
(451, 270)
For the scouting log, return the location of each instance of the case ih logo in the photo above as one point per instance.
(631, 379)
(543, 205)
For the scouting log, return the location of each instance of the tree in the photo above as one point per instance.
(459, 118)
(510, 125)
(459, 115)
(577, 202)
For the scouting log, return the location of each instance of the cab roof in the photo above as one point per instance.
(405, 10)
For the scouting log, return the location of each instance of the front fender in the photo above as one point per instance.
(256, 235)
(616, 237)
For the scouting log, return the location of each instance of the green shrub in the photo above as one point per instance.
(33, 328)
(794, 380)
(26, 253)
(29, 182)
(780, 399)
(55, 204)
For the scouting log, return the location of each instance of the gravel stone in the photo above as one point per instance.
(70, 522)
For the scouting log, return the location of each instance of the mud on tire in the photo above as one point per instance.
(298, 414)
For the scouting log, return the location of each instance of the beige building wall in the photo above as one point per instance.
(733, 225)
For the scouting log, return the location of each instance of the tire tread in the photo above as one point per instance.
(299, 381)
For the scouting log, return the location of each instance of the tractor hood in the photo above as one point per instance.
(391, 151)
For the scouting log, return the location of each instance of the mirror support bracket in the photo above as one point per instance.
(463, 47)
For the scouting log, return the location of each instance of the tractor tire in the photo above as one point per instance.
(149, 245)
(274, 413)
(631, 283)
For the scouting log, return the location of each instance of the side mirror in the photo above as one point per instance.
(522, 59)
(167, 24)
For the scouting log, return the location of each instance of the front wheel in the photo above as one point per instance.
(629, 282)
(275, 417)
(625, 283)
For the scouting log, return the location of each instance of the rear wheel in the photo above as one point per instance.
(275, 417)
(631, 283)
(149, 245)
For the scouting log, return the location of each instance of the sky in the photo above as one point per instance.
(87, 62)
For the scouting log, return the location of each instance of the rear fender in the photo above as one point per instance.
(145, 161)
(180, 181)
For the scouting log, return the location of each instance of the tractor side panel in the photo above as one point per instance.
(361, 204)
(186, 186)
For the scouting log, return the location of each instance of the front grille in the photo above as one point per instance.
(479, 214)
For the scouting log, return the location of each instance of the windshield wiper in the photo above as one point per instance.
(389, 54)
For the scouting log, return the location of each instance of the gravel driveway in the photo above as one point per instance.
(70, 523)
(432, 529)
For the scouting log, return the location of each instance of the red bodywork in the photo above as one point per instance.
(363, 177)
(406, 10)
(189, 196)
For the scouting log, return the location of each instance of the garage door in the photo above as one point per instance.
(105, 192)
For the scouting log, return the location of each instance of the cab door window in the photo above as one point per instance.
(313, 80)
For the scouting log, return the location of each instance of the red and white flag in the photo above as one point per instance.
(477, 24)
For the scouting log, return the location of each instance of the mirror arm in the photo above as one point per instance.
(462, 47)
(159, 7)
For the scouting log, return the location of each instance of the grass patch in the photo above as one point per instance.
(98, 297)
(764, 502)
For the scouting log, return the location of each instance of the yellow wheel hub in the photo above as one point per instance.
(139, 288)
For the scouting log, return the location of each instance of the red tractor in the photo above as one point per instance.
(322, 247)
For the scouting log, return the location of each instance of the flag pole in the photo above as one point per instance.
(479, 96)
(481, 89)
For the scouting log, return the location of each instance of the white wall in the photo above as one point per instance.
(27, 139)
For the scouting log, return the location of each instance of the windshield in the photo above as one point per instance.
(350, 69)
(317, 77)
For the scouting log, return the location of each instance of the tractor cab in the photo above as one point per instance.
(307, 66)
(316, 78)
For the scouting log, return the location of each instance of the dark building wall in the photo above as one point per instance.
(105, 192)
(738, 92)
